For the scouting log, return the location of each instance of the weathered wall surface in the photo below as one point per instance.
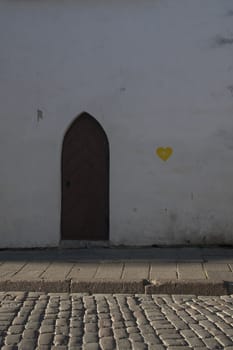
(153, 73)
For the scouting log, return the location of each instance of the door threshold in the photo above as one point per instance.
(83, 244)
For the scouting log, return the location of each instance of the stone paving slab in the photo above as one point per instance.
(111, 271)
(136, 270)
(83, 270)
(148, 270)
(57, 271)
(222, 275)
(166, 270)
(10, 268)
(68, 321)
(32, 271)
(213, 266)
(192, 271)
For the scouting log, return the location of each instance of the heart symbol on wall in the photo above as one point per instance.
(164, 152)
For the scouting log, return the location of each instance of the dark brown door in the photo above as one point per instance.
(85, 181)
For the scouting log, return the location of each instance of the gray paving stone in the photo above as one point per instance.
(91, 327)
(223, 340)
(152, 339)
(203, 334)
(156, 347)
(4, 326)
(48, 322)
(91, 346)
(12, 339)
(178, 347)
(228, 332)
(76, 332)
(123, 344)
(45, 339)
(64, 314)
(27, 344)
(6, 317)
(120, 333)
(145, 329)
(90, 338)
(61, 322)
(47, 329)
(105, 332)
(224, 326)
(188, 333)
(211, 343)
(132, 329)
(174, 342)
(107, 343)
(139, 346)
(60, 339)
(129, 324)
(75, 341)
(167, 325)
(32, 325)
(16, 329)
(165, 334)
(209, 326)
(30, 334)
(194, 342)
(141, 322)
(135, 337)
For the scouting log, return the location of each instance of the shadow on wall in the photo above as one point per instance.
(175, 254)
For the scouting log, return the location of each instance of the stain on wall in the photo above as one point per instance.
(225, 136)
(230, 89)
(40, 115)
(221, 41)
(230, 13)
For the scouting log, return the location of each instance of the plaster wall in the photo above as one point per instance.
(154, 74)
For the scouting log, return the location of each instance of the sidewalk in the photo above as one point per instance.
(200, 271)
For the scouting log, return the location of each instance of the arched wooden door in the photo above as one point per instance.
(85, 181)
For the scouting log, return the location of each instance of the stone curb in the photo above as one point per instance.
(75, 286)
(35, 286)
(108, 286)
(197, 287)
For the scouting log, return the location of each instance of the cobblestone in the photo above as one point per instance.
(115, 322)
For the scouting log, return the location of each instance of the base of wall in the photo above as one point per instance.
(84, 244)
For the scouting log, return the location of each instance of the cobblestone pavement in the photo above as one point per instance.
(80, 321)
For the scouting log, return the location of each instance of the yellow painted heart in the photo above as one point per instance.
(164, 152)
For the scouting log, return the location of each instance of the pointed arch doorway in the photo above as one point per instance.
(85, 181)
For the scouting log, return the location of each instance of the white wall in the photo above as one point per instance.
(153, 73)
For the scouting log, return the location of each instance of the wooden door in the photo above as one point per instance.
(85, 181)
